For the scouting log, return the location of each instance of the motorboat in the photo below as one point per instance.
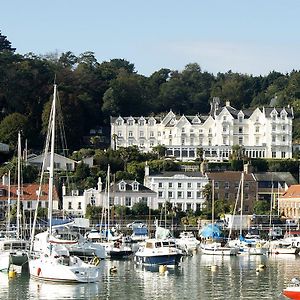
(281, 247)
(13, 252)
(293, 290)
(187, 241)
(217, 248)
(158, 252)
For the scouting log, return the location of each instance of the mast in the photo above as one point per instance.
(213, 203)
(19, 185)
(242, 203)
(108, 194)
(51, 171)
(8, 203)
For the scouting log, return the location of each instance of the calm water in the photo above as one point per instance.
(234, 278)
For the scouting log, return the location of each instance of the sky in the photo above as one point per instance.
(252, 37)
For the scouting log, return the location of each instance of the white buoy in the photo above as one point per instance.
(214, 268)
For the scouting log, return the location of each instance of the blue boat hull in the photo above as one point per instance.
(168, 260)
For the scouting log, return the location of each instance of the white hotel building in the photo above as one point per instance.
(262, 132)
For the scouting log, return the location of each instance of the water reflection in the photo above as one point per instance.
(232, 278)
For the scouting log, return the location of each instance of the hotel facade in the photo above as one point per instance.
(261, 132)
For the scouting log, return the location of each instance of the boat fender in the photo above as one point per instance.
(96, 261)
(39, 271)
(258, 245)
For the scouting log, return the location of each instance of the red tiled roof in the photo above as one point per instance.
(29, 192)
(292, 192)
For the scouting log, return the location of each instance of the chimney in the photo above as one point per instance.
(227, 103)
(99, 184)
(64, 190)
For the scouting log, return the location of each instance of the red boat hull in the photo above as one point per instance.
(292, 294)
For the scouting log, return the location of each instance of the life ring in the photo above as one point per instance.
(258, 245)
(39, 271)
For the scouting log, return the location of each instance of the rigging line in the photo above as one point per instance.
(47, 144)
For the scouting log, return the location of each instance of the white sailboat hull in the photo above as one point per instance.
(69, 269)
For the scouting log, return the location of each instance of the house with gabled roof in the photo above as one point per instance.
(124, 193)
(289, 202)
(28, 197)
(60, 162)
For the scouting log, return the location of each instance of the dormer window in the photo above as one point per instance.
(122, 186)
(135, 186)
(119, 122)
(130, 122)
(241, 118)
(142, 122)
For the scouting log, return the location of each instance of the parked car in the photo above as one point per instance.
(136, 224)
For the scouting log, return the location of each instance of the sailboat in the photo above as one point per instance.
(13, 249)
(250, 245)
(211, 237)
(115, 247)
(56, 263)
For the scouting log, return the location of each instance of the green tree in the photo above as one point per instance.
(5, 44)
(140, 209)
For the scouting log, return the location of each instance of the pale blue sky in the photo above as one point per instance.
(246, 36)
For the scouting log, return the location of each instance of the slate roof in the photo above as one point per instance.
(229, 176)
(287, 177)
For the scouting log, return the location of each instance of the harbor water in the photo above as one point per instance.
(199, 277)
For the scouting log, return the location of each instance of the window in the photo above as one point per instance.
(224, 128)
(226, 185)
(283, 127)
(128, 201)
(160, 194)
(224, 118)
(119, 122)
(56, 165)
(151, 133)
(160, 185)
(198, 185)
(273, 117)
(247, 185)
(199, 194)
(189, 194)
(188, 206)
(240, 119)
(240, 129)
(284, 138)
(273, 138)
(79, 205)
(130, 133)
(273, 127)
(189, 185)
(246, 196)
(141, 133)
(135, 186)
(170, 184)
(257, 129)
(144, 200)
(273, 154)
(28, 204)
(179, 194)
(142, 123)
(111, 201)
(93, 200)
(240, 141)
(151, 123)
(216, 184)
(282, 154)
(226, 196)
(130, 122)
(122, 186)
(179, 185)
(119, 133)
(170, 194)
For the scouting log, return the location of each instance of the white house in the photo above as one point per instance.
(262, 132)
(60, 162)
(183, 190)
(125, 193)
